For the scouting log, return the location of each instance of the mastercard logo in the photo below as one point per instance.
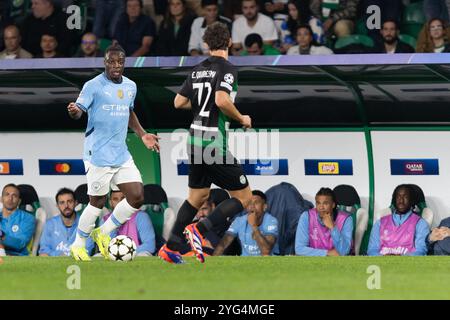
(62, 168)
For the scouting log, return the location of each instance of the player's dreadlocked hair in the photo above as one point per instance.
(413, 197)
(114, 48)
(217, 36)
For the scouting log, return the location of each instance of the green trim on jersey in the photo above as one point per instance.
(223, 134)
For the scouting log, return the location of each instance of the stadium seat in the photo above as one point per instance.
(413, 13)
(348, 200)
(413, 29)
(361, 27)
(156, 205)
(406, 38)
(421, 209)
(30, 202)
(104, 43)
(354, 39)
(82, 197)
(218, 195)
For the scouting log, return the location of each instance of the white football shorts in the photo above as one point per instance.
(101, 179)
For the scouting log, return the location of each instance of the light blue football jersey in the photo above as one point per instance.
(241, 229)
(108, 106)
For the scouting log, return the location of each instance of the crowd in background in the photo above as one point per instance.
(39, 28)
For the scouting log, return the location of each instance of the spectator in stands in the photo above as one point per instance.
(254, 46)
(391, 43)
(337, 16)
(59, 232)
(434, 37)
(232, 9)
(401, 233)
(13, 50)
(49, 44)
(89, 47)
(252, 22)
(437, 9)
(135, 31)
(439, 239)
(44, 19)
(5, 20)
(306, 43)
(139, 227)
(323, 230)
(299, 14)
(107, 14)
(175, 30)
(389, 9)
(277, 10)
(273, 7)
(211, 15)
(257, 230)
(16, 226)
(195, 6)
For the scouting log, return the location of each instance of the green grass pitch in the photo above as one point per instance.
(227, 278)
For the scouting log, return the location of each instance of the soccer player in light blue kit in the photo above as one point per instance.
(108, 100)
(257, 230)
(60, 231)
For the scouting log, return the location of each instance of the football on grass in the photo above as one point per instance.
(122, 248)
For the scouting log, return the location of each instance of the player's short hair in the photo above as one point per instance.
(253, 38)
(114, 48)
(395, 22)
(209, 3)
(304, 26)
(217, 36)
(260, 194)
(64, 191)
(113, 191)
(11, 185)
(141, 3)
(217, 196)
(327, 192)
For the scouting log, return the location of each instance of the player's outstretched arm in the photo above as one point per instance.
(181, 102)
(150, 140)
(74, 111)
(224, 103)
(223, 244)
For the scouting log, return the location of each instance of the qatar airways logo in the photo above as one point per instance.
(415, 167)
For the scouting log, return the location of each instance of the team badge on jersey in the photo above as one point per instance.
(229, 78)
(15, 228)
(120, 93)
(130, 94)
(96, 186)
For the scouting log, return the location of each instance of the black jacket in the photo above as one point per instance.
(33, 29)
(401, 48)
(167, 44)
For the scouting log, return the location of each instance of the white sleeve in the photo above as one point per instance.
(195, 41)
(270, 33)
(235, 36)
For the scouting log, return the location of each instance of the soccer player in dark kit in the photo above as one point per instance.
(209, 91)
